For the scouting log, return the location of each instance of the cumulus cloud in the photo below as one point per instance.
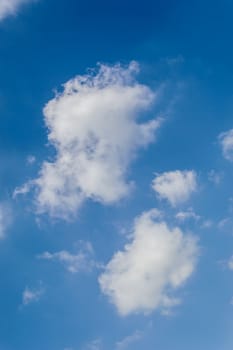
(96, 126)
(11, 7)
(226, 143)
(74, 263)
(175, 186)
(32, 295)
(157, 260)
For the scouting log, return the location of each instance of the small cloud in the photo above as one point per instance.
(215, 176)
(222, 223)
(129, 341)
(94, 345)
(226, 224)
(175, 186)
(31, 159)
(186, 215)
(226, 143)
(11, 7)
(24, 189)
(207, 224)
(32, 295)
(80, 261)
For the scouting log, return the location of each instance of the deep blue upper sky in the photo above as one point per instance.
(185, 46)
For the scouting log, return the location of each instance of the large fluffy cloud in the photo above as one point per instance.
(226, 142)
(175, 186)
(10, 7)
(95, 129)
(158, 260)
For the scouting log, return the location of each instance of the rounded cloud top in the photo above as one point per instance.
(93, 125)
(175, 186)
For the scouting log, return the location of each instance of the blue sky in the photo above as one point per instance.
(116, 165)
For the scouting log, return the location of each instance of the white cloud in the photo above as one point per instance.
(129, 340)
(95, 129)
(22, 189)
(175, 186)
(32, 295)
(81, 261)
(186, 215)
(10, 7)
(226, 142)
(5, 219)
(157, 261)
